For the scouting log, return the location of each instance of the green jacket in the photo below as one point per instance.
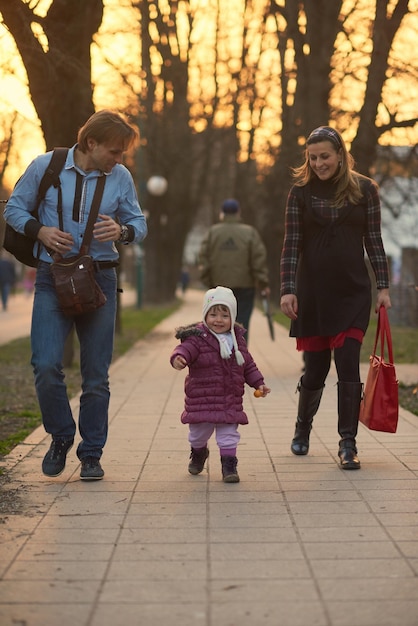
(233, 255)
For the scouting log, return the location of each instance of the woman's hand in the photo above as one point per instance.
(383, 299)
(289, 305)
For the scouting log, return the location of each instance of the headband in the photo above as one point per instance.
(325, 133)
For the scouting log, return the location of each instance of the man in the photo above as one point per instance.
(233, 255)
(98, 152)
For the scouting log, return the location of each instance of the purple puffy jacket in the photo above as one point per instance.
(214, 386)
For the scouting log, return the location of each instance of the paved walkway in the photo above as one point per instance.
(296, 542)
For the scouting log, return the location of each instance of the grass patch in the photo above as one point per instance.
(19, 410)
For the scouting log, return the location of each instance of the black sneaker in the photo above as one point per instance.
(229, 469)
(91, 468)
(54, 460)
(197, 460)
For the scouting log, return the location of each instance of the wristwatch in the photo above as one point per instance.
(124, 233)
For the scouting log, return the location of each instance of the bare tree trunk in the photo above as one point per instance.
(59, 75)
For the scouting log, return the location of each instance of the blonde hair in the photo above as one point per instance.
(104, 127)
(348, 181)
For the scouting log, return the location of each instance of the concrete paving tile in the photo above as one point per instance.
(334, 519)
(373, 589)
(269, 613)
(197, 484)
(167, 552)
(341, 484)
(72, 535)
(388, 495)
(407, 505)
(8, 552)
(254, 551)
(403, 533)
(245, 486)
(320, 496)
(250, 496)
(35, 614)
(381, 613)
(65, 552)
(363, 476)
(236, 590)
(57, 570)
(12, 591)
(101, 503)
(398, 519)
(145, 614)
(414, 565)
(346, 533)
(317, 472)
(158, 570)
(351, 549)
(101, 486)
(185, 497)
(249, 521)
(240, 535)
(81, 521)
(408, 484)
(243, 508)
(168, 522)
(328, 508)
(183, 534)
(167, 591)
(408, 548)
(177, 508)
(346, 568)
(259, 569)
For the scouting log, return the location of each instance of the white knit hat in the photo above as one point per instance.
(225, 296)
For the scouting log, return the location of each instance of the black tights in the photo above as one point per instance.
(347, 364)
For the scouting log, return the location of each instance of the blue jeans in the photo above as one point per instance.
(95, 331)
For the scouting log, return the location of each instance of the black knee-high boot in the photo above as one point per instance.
(349, 396)
(307, 408)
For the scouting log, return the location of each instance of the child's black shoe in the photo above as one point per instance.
(229, 469)
(197, 460)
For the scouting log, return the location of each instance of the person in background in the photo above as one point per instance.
(233, 254)
(219, 365)
(29, 280)
(99, 150)
(7, 280)
(332, 214)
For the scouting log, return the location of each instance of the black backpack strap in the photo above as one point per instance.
(51, 177)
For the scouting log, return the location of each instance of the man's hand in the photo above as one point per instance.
(55, 239)
(107, 229)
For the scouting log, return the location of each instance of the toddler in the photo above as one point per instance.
(219, 365)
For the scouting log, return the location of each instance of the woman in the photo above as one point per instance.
(332, 214)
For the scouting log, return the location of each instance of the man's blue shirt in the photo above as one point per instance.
(119, 201)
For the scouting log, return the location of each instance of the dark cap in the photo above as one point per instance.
(230, 206)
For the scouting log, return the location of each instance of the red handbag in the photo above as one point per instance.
(379, 407)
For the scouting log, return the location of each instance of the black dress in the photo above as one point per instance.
(332, 282)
